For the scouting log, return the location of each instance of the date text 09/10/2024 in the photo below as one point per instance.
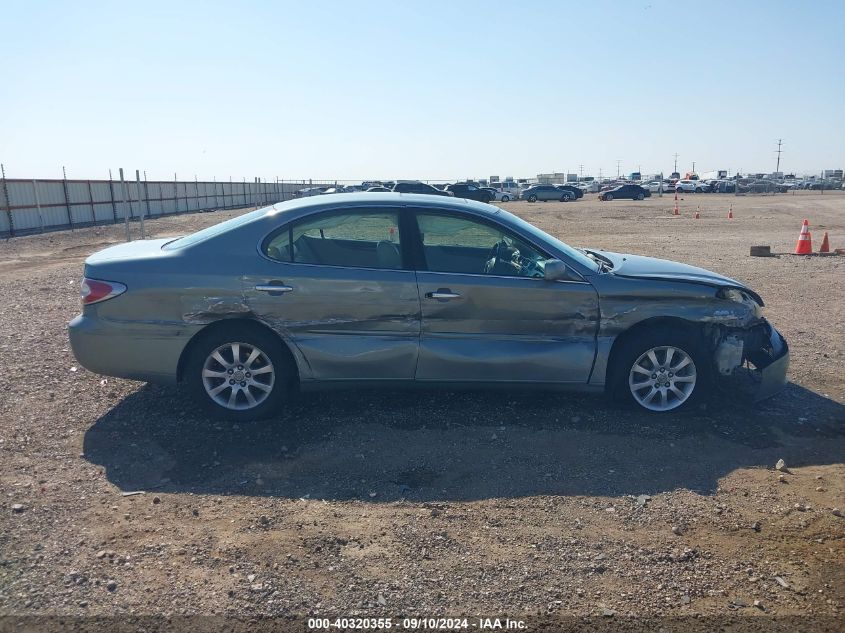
(443, 624)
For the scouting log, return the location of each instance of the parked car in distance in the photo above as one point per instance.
(415, 186)
(309, 191)
(690, 186)
(506, 191)
(397, 290)
(499, 196)
(723, 186)
(545, 193)
(470, 192)
(625, 192)
(378, 189)
(576, 191)
(655, 186)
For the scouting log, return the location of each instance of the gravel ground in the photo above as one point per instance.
(434, 503)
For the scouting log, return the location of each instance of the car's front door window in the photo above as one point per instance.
(462, 245)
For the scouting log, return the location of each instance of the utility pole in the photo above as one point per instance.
(676, 163)
(780, 142)
(580, 172)
(617, 168)
(693, 166)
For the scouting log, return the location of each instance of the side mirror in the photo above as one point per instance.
(555, 270)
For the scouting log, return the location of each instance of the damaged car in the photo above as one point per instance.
(395, 289)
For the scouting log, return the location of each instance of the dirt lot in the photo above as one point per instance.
(434, 503)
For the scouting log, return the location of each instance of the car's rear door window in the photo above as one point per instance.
(363, 239)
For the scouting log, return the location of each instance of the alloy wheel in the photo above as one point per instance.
(662, 378)
(238, 376)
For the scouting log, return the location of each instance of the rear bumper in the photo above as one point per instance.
(134, 350)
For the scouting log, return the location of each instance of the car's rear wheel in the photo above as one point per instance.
(238, 373)
(662, 370)
(506, 198)
(699, 190)
(608, 196)
(532, 198)
(565, 198)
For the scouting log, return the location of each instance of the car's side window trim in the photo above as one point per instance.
(289, 226)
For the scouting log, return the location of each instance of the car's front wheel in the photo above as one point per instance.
(506, 198)
(532, 198)
(608, 196)
(663, 370)
(238, 373)
(640, 196)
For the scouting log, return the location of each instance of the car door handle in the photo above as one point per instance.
(442, 293)
(273, 288)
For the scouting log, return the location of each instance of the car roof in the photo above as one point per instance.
(301, 206)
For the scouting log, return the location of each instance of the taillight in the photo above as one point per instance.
(95, 290)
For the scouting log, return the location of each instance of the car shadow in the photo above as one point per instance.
(438, 445)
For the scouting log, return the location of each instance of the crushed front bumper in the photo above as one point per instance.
(761, 346)
(772, 361)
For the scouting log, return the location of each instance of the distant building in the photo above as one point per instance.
(555, 178)
(833, 173)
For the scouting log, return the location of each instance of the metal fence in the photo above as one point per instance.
(34, 206)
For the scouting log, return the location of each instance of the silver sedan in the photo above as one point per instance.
(399, 289)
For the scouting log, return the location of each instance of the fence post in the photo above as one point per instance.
(8, 202)
(125, 214)
(140, 206)
(160, 199)
(93, 210)
(111, 197)
(197, 191)
(38, 204)
(67, 199)
(146, 193)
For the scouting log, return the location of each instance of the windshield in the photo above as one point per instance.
(542, 236)
(216, 229)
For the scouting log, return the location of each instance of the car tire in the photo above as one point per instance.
(565, 198)
(532, 198)
(699, 190)
(268, 384)
(640, 196)
(630, 379)
(506, 198)
(608, 197)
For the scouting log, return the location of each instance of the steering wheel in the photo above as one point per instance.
(503, 259)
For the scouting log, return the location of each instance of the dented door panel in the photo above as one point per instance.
(506, 329)
(347, 323)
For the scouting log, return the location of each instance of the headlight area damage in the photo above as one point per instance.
(760, 345)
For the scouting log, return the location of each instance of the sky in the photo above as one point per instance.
(430, 90)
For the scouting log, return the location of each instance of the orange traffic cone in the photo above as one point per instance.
(731, 213)
(804, 245)
(825, 247)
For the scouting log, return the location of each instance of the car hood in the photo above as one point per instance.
(640, 267)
